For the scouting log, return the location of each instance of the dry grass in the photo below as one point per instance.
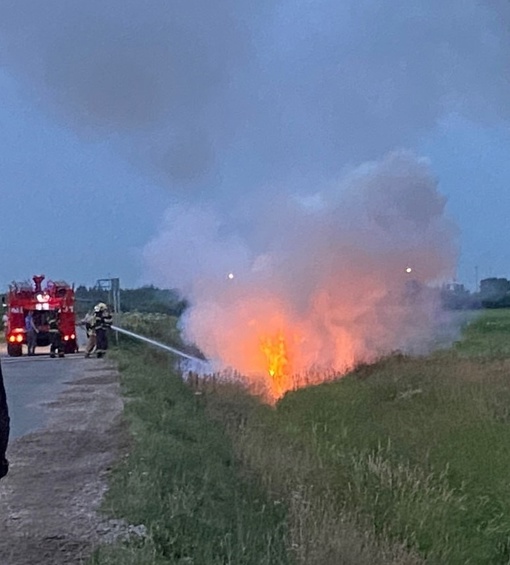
(321, 530)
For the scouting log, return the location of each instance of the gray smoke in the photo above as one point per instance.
(332, 282)
(197, 90)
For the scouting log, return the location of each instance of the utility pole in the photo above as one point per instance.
(476, 279)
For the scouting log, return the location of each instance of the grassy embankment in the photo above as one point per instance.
(404, 456)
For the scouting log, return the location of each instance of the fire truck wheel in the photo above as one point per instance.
(14, 349)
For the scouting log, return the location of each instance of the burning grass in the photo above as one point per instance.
(408, 454)
(404, 461)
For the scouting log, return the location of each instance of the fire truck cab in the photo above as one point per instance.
(23, 297)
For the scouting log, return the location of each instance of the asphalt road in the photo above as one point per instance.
(33, 382)
(50, 500)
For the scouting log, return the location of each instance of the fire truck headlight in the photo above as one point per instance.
(66, 338)
(19, 338)
(12, 338)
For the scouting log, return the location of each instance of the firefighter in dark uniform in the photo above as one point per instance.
(56, 344)
(102, 323)
(4, 428)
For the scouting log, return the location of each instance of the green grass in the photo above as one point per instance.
(321, 529)
(156, 326)
(421, 447)
(182, 483)
(402, 462)
(411, 452)
(487, 336)
(421, 452)
(161, 327)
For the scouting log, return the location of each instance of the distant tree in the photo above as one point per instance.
(495, 293)
(143, 299)
(152, 299)
(455, 296)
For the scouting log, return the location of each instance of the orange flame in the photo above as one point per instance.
(278, 365)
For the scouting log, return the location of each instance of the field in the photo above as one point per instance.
(404, 461)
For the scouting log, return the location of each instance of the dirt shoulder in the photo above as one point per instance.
(49, 502)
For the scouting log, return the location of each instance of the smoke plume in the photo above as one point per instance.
(343, 276)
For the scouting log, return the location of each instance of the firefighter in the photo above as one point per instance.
(56, 344)
(31, 332)
(4, 428)
(102, 323)
(90, 330)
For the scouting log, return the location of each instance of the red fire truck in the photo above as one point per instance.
(25, 296)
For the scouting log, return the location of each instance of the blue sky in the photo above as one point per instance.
(473, 168)
(112, 114)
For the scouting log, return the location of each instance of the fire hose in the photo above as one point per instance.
(201, 363)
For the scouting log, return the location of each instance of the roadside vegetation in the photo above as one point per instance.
(404, 461)
(161, 327)
(182, 482)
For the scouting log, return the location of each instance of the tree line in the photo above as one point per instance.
(493, 293)
(143, 299)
